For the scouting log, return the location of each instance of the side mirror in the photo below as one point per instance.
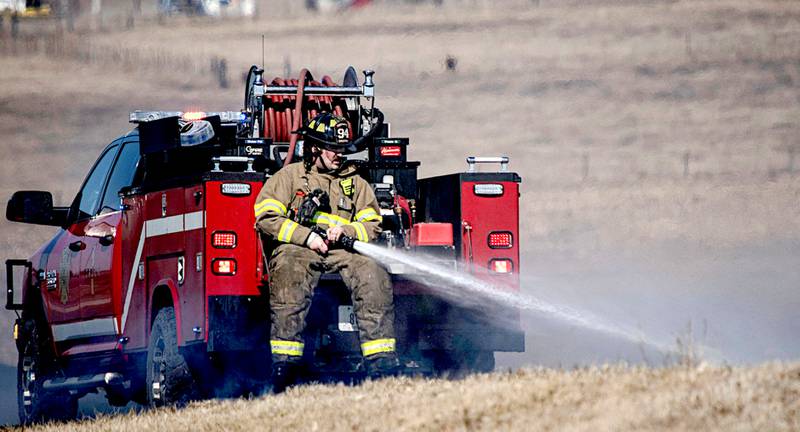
(35, 207)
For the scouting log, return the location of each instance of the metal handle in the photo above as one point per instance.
(468, 230)
(235, 159)
(369, 83)
(313, 91)
(502, 160)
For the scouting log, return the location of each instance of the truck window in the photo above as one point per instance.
(121, 176)
(93, 187)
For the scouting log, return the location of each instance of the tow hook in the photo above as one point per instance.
(156, 390)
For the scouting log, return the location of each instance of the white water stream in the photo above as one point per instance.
(465, 290)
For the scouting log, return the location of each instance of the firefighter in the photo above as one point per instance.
(302, 256)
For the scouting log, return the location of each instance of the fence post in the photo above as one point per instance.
(222, 73)
(585, 167)
(687, 44)
(686, 157)
(71, 7)
(14, 25)
(219, 70)
(96, 9)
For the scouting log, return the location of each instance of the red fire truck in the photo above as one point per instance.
(154, 288)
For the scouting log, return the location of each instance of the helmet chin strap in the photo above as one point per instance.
(318, 156)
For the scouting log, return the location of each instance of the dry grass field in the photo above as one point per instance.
(606, 398)
(657, 141)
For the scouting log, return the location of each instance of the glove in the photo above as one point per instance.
(316, 243)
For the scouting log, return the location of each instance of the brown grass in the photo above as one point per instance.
(607, 398)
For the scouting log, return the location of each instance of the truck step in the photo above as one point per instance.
(83, 382)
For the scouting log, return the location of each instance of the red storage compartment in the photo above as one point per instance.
(432, 234)
(483, 208)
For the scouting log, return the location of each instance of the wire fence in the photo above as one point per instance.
(66, 46)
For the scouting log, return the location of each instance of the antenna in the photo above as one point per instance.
(262, 50)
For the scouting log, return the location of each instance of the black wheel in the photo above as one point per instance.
(460, 363)
(34, 403)
(169, 379)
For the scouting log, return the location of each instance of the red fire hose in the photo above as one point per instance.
(298, 109)
(285, 114)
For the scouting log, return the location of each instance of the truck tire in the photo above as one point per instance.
(34, 403)
(170, 381)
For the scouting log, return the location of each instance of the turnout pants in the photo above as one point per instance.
(294, 271)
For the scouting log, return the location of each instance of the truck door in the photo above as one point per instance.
(61, 279)
(102, 277)
(65, 260)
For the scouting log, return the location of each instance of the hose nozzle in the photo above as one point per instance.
(347, 242)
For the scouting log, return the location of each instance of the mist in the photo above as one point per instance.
(671, 304)
(730, 306)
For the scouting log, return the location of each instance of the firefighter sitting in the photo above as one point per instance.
(307, 250)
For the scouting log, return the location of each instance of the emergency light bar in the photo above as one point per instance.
(224, 116)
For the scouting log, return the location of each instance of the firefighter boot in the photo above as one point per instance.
(382, 366)
(284, 375)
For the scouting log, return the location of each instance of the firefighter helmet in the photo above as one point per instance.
(330, 132)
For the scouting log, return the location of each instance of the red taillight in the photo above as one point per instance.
(501, 240)
(224, 266)
(503, 266)
(223, 239)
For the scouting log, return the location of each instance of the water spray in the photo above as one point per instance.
(470, 292)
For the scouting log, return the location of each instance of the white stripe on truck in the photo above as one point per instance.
(132, 280)
(193, 221)
(154, 228)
